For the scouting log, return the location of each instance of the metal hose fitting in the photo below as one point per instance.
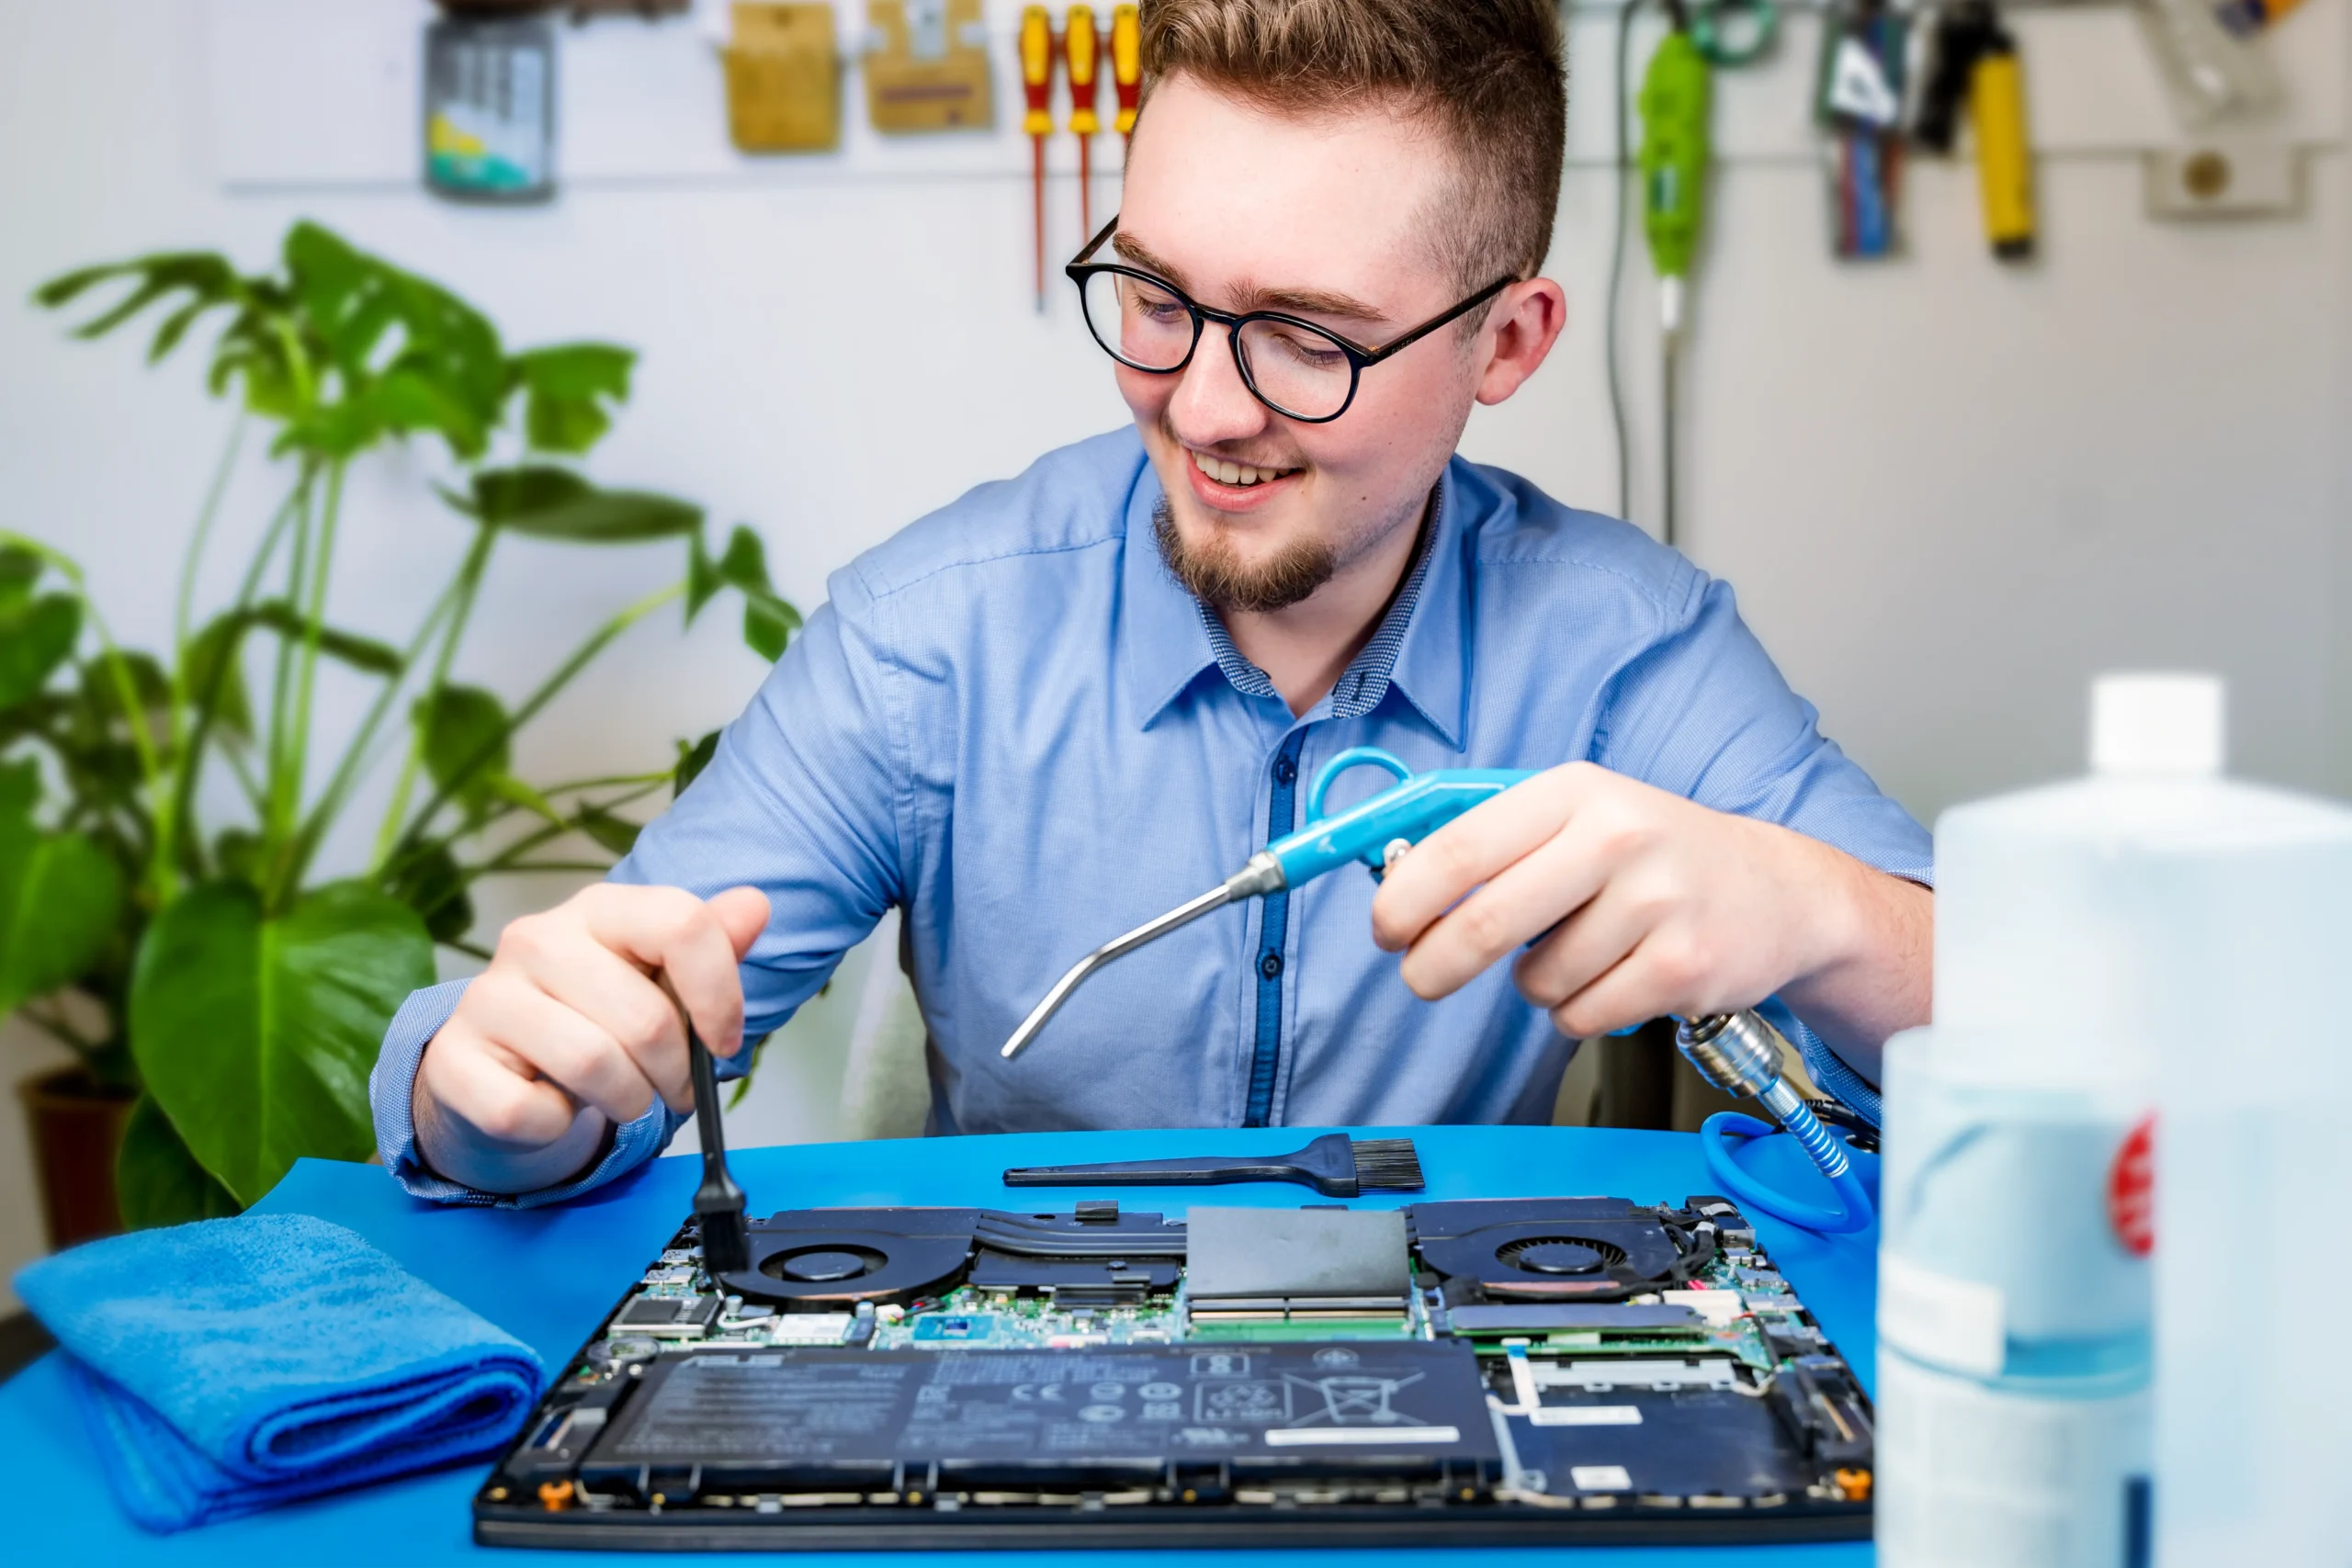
(1740, 1055)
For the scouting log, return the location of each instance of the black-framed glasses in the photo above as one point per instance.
(1294, 368)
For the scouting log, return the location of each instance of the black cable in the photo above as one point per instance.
(1667, 378)
(1617, 258)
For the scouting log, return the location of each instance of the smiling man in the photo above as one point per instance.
(1074, 699)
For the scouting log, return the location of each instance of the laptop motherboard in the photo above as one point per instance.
(1496, 1370)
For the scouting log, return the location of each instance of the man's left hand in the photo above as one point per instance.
(1663, 906)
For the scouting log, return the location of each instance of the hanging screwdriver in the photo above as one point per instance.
(2004, 154)
(1126, 66)
(1081, 47)
(1037, 56)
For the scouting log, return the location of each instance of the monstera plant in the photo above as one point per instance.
(165, 907)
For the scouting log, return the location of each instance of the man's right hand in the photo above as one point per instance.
(569, 1031)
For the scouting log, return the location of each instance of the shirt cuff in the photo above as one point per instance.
(392, 1089)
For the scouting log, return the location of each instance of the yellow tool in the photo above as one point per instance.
(1037, 57)
(2004, 156)
(928, 68)
(1081, 47)
(1126, 64)
(783, 79)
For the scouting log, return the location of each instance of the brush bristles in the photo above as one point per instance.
(1386, 1165)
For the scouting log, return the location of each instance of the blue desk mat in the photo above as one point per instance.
(549, 1275)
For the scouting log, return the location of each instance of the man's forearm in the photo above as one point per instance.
(456, 1150)
(1877, 979)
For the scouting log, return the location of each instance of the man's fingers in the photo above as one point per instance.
(1587, 946)
(743, 912)
(673, 930)
(619, 999)
(562, 1044)
(1467, 852)
(1624, 995)
(1521, 901)
(494, 1091)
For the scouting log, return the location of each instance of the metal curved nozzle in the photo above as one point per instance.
(1262, 874)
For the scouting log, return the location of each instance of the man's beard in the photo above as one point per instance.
(1214, 573)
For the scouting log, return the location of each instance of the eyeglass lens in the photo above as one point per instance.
(1299, 370)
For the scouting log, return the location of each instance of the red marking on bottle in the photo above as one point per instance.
(2132, 1188)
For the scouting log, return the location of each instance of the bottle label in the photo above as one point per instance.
(2132, 1188)
(1939, 1318)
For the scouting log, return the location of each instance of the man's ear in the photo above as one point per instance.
(1527, 320)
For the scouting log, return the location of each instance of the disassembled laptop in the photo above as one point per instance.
(1497, 1370)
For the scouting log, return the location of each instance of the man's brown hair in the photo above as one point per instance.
(1487, 74)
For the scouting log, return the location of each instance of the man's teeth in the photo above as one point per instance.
(1224, 473)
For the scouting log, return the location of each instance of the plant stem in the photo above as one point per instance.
(282, 686)
(467, 584)
(314, 614)
(190, 761)
(554, 683)
(64, 1033)
(166, 824)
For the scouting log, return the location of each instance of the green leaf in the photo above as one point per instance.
(159, 1180)
(255, 1034)
(238, 852)
(768, 625)
(65, 289)
(465, 732)
(360, 652)
(19, 789)
(745, 564)
(515, 792)
(61, 899)
(36, 637)
(569, 392)
(216, 675)
(500, 494)
(430, 883)
(692, 760)
(19, 569)
(556, 504)
(615, 833)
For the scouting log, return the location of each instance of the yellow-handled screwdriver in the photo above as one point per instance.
(1126, 66)
(1080, 45)
(1037, 54)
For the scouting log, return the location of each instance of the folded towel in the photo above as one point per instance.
(231, 1365)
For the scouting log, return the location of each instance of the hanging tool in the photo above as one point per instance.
(1126, 66)
(2004, 155)
(1038, 53)
(1677, 96)
(1380, 831)
(1972, 62)
(1860, 100)
(1081, 47)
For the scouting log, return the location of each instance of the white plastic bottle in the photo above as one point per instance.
(2104, 948)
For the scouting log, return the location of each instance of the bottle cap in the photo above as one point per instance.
(2157, 724)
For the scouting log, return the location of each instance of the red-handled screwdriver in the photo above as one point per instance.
(1081, 47)
(1037, 56)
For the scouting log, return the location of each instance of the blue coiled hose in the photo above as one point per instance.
(1739, 1054)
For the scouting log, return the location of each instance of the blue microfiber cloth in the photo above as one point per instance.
(233, 1365)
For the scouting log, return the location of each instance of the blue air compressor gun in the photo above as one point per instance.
(1727, 1049)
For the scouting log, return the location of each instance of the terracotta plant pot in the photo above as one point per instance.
(77, 1131)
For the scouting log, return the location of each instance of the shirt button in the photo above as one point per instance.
(1271, 966)
(1285, 771)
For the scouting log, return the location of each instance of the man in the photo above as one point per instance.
(1070, 700)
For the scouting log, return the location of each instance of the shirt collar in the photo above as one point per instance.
(1172, 637)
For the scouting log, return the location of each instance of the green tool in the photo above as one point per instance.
(1676, 88)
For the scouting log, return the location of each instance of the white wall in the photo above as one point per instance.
(1948, 492)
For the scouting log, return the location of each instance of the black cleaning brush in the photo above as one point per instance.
(719, 1202)
(1334, 1165)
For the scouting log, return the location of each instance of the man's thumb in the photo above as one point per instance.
(743, 913)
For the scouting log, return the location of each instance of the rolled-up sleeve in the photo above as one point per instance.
(1704, 712)
(803, 799)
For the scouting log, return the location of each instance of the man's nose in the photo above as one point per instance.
(1212, 402)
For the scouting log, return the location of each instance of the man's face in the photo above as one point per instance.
(1324, 219)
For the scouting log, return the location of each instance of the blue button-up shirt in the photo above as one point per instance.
(1013, 724)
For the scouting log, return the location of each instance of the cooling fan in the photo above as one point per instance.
(1559, 1249)
(835, 1258)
